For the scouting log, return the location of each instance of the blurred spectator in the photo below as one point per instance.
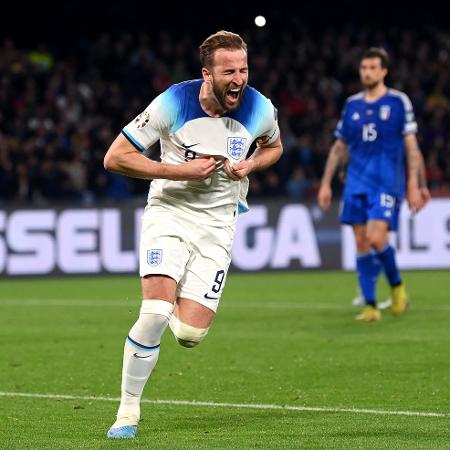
(298, 185)
(435, 174)
(61, 107)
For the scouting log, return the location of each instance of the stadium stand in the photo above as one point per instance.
(61, 107)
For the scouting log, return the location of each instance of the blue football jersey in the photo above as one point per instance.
(374, 133)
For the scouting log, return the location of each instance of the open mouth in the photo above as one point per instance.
(232, 95)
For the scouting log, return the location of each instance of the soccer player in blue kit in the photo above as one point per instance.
(206, 128)
(377, 132)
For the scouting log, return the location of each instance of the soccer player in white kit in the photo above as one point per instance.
(205, 128)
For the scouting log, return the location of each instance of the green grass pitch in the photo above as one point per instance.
(278, 339)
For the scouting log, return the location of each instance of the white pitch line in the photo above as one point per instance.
(232, 405)
(68, 302)
(135, 304)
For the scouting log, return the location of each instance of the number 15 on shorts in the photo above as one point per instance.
(387, 201)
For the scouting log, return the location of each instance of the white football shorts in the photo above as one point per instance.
(196, 256)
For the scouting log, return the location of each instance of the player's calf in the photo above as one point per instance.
(140, 356)
(187, 335)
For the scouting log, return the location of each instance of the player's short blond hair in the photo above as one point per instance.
(221, 39)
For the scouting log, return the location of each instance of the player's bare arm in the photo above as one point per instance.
(338, 154)
(423, 185)
(123, 158)
(263, 157)
(417, 192)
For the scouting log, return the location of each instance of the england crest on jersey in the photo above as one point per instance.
(154, 256)
(236, 147)
(385, 112)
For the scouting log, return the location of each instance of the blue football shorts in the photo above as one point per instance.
(358, 209)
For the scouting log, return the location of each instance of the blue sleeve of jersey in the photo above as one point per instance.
(161, 116)
(409, 124)
(169, 103)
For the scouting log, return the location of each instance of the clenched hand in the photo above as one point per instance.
(197, 169)
(239, 170)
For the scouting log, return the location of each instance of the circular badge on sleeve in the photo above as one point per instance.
(142, 119)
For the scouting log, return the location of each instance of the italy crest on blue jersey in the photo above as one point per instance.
(374, 133)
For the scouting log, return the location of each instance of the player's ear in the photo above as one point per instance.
(207, 77)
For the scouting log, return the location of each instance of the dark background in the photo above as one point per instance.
(72, 74)
(68, 20)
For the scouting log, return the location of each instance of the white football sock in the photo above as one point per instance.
(141, 353)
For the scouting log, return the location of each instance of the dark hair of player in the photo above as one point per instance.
(221, 39)
(377, 52)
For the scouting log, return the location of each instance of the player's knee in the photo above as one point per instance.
(377, 241)
(362, 243)
(187, 335)
(363, 246)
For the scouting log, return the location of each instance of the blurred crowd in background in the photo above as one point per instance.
(61, 107)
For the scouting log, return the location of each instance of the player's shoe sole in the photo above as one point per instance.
(125, 427)
(368, 314)
(386, 304)
(359, 301)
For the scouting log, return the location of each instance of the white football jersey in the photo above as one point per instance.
(186, 132)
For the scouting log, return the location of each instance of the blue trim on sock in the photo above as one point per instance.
(140, 346)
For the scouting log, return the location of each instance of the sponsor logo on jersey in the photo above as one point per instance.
(236, 147)
(385, 112)
(355, 116)
(154, 256)
(142, 120)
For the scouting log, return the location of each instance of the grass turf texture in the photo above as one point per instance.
(283, 339)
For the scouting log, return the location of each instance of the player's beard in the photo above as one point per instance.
(220, 95)
(371, 85)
